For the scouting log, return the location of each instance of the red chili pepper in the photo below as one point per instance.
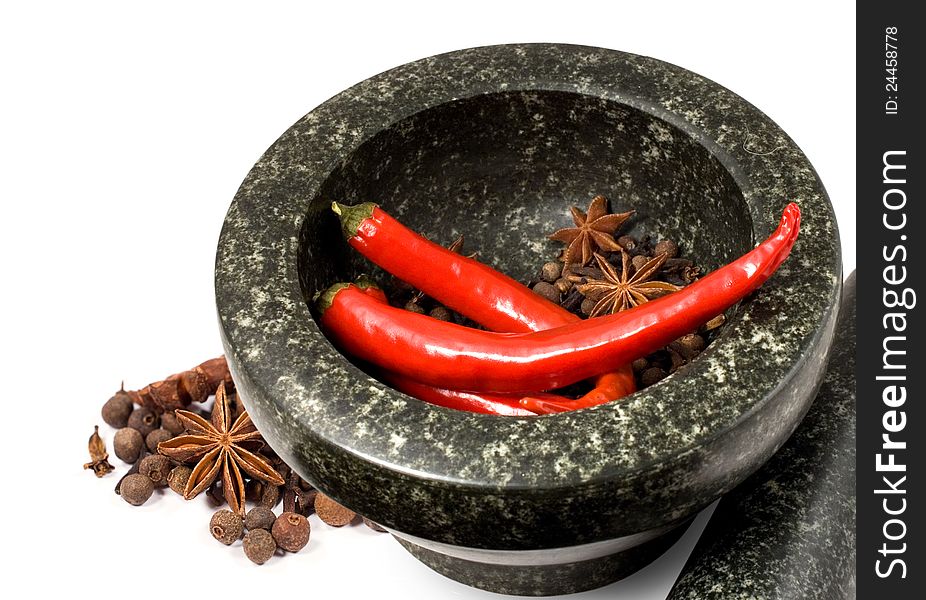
(468, 286)
(485, 402)
(481, 402)
(451, 356)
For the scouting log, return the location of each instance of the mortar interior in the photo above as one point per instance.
(503, 169)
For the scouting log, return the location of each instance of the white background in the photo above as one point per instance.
(124, 133)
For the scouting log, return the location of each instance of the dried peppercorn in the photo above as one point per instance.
(291, 531)
(144, 420)
(667, 247)
(414, 307)
(441, 313)
(639, 261)
(171, 423)
(689, 345)
(551, 271)
(155, 467)
(178, 478)
(128, 444)
(259, 517)
(136, 489)
(226, 526)
(156, 437)
(116, 410)
(331, 512)
(627, 242)
(588, 305)
(259, 546)
(652, 375)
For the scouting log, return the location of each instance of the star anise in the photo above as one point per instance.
(219, 446)
(594, 229)
(617, 292)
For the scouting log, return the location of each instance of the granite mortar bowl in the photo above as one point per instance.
(497, 143)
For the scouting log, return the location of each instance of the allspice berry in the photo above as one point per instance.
(171, 423)
(547, 291)
(117, 409)
(638, 261)
(136, 489)
(588, 305)
(144, 420)
(652, 375)
(551, 271)
(259, 517)
(156, 437)
(155, 467)
(441, 313)
(331, 512)
(259, 546)
(414, 307)
(640, 365)
(627, 242)
(178, 478)
(291, 531)
(226, 526)
(666, 247)
(689, 345)
(128, 444)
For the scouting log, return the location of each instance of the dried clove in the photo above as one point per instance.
(98, 456)
(181, 389)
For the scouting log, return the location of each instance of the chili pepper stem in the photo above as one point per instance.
(352, 216)
(324, 299)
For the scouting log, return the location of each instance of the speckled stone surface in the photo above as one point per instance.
(547, 580)
(789, 530)
(497, 143)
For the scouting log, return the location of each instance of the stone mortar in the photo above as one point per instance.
(496, 143)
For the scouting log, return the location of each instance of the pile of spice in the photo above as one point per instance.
(601, 273)
(218, 453)
(534, 348)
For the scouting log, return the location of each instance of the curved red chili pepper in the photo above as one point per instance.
(485, 402)
(481, 402)
(451, 356)
(466, 285)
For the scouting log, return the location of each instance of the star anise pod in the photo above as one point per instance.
(617, 292)
(593, 229)
(219, 446)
